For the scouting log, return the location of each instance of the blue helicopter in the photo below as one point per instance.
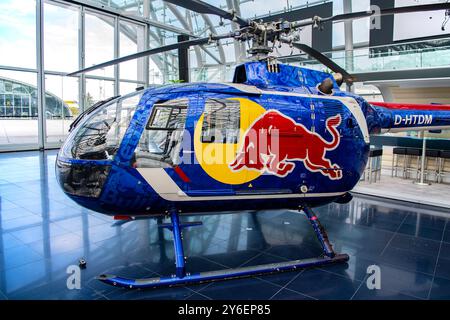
(277, 136)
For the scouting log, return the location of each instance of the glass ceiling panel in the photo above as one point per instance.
(254, 8)
(202, 25)
(131, 7)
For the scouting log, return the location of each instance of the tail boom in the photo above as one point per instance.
(397, 117)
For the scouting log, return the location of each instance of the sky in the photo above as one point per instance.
(18, 33)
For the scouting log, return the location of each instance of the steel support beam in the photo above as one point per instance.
(146, 5)
(119, 13)
(183, 60)
(82, 60)
(41, 73)
(239, 48)
(412, 74)
(116, 55)
(348, 33)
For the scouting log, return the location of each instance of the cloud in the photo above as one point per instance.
(19, 8)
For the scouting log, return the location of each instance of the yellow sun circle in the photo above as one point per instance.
(215, 158)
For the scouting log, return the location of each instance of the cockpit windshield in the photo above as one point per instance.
(100, 135)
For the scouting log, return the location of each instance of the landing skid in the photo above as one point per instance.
(184, 278)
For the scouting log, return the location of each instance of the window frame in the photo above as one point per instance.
(225, 107)
(162, 106)
(178, 111)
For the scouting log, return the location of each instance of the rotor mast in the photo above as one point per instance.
(264, 37)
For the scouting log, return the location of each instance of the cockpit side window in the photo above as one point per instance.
(167, 117)
(221, 122)
(161, 141)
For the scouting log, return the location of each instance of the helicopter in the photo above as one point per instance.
(276, 137)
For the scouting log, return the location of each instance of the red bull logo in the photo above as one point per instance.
(274, 142)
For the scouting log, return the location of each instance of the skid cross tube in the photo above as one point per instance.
(184, 278)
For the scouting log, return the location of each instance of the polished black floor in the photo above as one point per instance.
(42, 233)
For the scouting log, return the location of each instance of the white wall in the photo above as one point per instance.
(418, 24)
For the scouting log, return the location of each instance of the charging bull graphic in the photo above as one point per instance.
(274, 141)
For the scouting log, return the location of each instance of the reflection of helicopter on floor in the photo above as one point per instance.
(278, 136)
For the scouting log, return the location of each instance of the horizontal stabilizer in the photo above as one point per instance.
(399, 117)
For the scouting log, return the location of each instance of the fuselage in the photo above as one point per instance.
(212, 147)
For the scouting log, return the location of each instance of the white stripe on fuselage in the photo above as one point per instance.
(167, 189)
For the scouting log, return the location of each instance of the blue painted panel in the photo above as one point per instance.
(126, 192)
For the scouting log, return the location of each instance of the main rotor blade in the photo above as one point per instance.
(203, 7)
(149, 52)
(325, 61)
(374, 13)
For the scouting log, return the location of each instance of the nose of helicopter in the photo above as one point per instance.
(82, 179)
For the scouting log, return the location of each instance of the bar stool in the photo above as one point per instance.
(412, 153)
(434, 169)
(397, 153)
(444, 156)
(375, 164)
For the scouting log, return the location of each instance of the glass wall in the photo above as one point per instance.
(163, 67)
(361, 27)
(127, 87)
(18, 91)
(256, 8)
(129, 7)
(60, 56)
(99, 42)
(97, 90)
(73, 37)
(18, 109)
(132, 40)
(60, 113)
(99, 47)
(18, 33)
(60, 37)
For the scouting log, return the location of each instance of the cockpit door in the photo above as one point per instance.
(161, 142)
(216, 137)
(265, 143)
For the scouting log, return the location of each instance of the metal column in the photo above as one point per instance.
(348, 27)
(41, 73)
(146, 63)
(183, 60)
(422, 182)
(82, 60)
(116, 55)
